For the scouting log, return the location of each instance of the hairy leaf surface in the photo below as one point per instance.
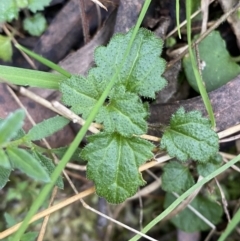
(190, 136)
(4, 175)
(10, 126)
(142, 70)
(47, 163)
(123, 113)
(47, 128)
(176, 178)
(205, 169)
(25, 162)
(113, 162)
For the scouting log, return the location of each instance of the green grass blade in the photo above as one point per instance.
(74, 145)
(232, 225)
(200, 84)
(185, 195)
(34, 78)
(44, 61)
(178, 18)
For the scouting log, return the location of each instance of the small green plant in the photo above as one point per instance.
(35, 25)
(128, 68)
(17, 151)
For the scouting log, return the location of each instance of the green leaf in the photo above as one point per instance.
(5, 48)
(4, 162)
(22, 3)
(217, 66)
(35, 25)
(190, 136)
(9, 220)
(113, 162)
(189, 222)
(25, 162)
(47, 163)
(30, 77)
(8, 10)
(205, 169)
(61, 151)
(47, 128)
(4, 176)
(142, 70)
(123, 113)
(36, 5)
(10, 126)
(29, 236)
(176, 178)
(21, 133)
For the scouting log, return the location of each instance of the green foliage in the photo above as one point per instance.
(36, 5)
(8, 10)
(123, 115)
(48, 165)
(29, 236)
(9, 219)
(5, 48)
(217, 66)
(35, 25)
(46, 128)
(189, 222)
(113, 162)
(176, 178)
(11, 125)
(190, 136)
(61, 151)
(4, 176)
(4, 162)
(30, 77)
(25, 162)
(33, 163)
(204, 169)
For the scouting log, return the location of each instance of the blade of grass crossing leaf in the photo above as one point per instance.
(200, 84)
(231, 226)
(178, 18)
(11, 125)
(74, 145)
(185, 195)
(44, 61)
(34, 78)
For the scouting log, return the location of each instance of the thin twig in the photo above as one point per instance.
(229, 131)
(45, 221)
(98, 3)
(204, 9)
(232, 138)
(85, 25)
(224, 201)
